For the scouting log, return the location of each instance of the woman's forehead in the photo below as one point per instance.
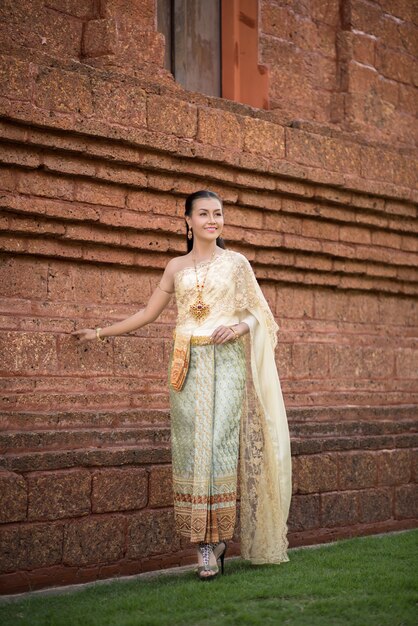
(210, 204)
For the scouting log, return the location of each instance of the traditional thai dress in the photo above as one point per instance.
(228, 420)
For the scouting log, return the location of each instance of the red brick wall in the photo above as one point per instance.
(99, 149)
(349, 62)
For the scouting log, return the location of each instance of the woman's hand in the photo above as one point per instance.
(222, 334)
(85, 334)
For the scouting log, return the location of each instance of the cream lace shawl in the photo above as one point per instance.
(233, 294)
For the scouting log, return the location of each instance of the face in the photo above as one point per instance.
(207, 219)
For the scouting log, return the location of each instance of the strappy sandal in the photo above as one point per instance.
(206, 549)
(221, 556)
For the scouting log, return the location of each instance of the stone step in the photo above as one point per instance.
(355, 428)
(30, 420)
(106, 456)
(317, 445)
(80, 438)
(299, 418)
(125, 452)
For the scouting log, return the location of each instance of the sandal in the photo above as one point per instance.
(221, 555)
(206, 550)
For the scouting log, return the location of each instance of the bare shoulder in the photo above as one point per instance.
(178, 263)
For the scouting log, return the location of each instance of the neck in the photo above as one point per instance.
(203, 250)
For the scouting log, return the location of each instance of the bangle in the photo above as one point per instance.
(235, 333)
(98, 334)
(165, 291)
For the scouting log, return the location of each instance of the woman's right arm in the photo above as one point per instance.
(156, 304)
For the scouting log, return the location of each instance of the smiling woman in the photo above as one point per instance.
(218, 412)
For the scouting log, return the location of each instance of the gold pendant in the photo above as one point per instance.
(199, 309)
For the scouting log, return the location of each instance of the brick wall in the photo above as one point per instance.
(350, 62)
(99, 149)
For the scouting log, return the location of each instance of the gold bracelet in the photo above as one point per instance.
(98, 334)
(165, 291)
(235, 333)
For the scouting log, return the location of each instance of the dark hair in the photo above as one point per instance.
(203, 193)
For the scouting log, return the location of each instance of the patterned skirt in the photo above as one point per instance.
(205, 433)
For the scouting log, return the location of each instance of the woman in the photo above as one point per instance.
(217, 410)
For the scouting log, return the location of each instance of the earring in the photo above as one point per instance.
(189, 234)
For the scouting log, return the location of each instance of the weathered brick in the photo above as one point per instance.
(68, 283)
(394, 64)
(407, 363)
(161, 486)
(152, 532)
(304, 513)
(360, 78)
(394, 467)
(355, 234)
(99, 193)
(122, 102)
(129, 352)
(284, 360)
(99, 37)
(375, 505)
(363, 47)
(94, 540)
(8, 178)
(21, 278)
(16, 78)
(339, 509)
(406, 501)
(263, 137)
(219, 128)
(62, 91)
(157, 203)
(370, 363)
(262, 200)
(20, 155)
(77, 357)
(78, 8)
(357, 470)
(119, 489)
(45, 184)
(381, 238)
(237, 216)
(407, 98)
(320, 229)
(69, 165)
(13, 497)
(309, 360)
(296, 303)
(125, 286)
(27, 546)
(28, 352)
(59, 31)
(317, 472)
(169, 115)
(54, 495)
(143, 11)
(317, 150)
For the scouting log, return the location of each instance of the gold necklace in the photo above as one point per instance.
(199, 309)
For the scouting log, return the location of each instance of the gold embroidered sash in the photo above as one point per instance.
(180, 361)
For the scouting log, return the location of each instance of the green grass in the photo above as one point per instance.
(363, 581)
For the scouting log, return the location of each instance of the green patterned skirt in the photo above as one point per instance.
(205, 432)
